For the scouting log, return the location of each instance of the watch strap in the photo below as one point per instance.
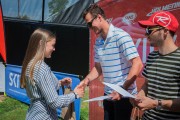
(159, 106)
(76, 95)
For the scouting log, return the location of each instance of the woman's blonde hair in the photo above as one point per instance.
(35, 50)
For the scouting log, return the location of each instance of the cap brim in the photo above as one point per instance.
(145, 23)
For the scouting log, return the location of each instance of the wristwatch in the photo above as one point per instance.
(159, 106)
(76, 95)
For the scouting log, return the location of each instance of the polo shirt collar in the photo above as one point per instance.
(110, 33)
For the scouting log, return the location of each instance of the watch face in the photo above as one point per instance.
(158, 107)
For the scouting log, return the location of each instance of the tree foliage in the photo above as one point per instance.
(56, 6)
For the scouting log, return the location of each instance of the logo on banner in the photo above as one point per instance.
(14, 80)
(169, 7)
(129, 18)
(109, 20)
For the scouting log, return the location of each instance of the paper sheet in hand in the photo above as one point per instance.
(119, 90)
(97, 98)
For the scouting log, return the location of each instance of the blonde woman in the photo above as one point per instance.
(40, 83)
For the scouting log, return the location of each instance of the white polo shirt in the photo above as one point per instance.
(114, 54)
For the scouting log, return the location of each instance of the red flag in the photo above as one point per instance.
(2, 40)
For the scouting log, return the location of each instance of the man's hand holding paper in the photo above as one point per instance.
(117, 94)
(98, 98)
(119, 89)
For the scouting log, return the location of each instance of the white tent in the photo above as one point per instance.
(2, 77)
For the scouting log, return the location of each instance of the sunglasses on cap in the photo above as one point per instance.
(89, 24)
(149, 30)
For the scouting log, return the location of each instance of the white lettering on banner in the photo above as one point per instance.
(144, 56)
(15, 91)
(109, 20)
(144, 50)
(14, 79)
(174, 38)
(169, 7)
(129, 18)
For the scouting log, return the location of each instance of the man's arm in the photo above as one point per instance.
(134, 72)
(144, 89)
(148, 103)
(172, 105)
(95, 73)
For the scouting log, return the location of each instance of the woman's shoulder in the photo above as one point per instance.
(41, 64)
(41, 67)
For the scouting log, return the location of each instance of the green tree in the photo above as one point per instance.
(25, 17)
(56, 6)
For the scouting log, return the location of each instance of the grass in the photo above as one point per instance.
(11, 109)
(85, 106)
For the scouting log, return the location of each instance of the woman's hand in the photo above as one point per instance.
(79, 90)
(65, 81)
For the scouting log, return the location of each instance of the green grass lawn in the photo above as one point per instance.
(85, 106)
(11, 109)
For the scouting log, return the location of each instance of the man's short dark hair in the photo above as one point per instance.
(172, 33)
(94, 10)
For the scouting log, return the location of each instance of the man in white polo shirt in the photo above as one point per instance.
(116, 58)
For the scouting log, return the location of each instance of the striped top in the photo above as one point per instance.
(114, 54)
(43, 94)
(163, 75)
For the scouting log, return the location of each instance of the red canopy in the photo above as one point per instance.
(2, 40)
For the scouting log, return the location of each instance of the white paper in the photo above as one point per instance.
(98, 98)
(119, 89)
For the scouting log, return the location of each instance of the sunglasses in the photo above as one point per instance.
(89, 24)
(150, 30)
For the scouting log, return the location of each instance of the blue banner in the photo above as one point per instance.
(12, 86)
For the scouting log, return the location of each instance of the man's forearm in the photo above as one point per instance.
(92, 75)
(172, 105)
(95, 73)
(134, 72)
